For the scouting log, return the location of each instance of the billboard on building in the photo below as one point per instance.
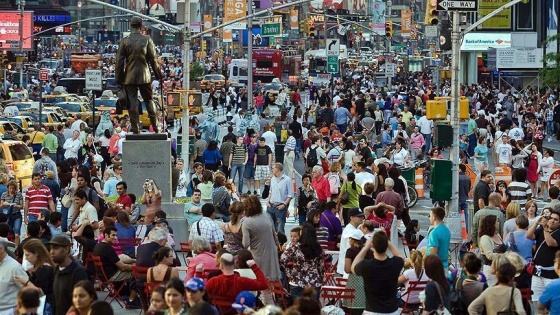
(10, 37)
(501, 21)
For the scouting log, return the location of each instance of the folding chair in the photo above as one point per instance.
(330, 271)
(113, 289)
(328, 245)
(333, 295)
(340, 282)
(141, 275)
(185, 250)
(406, 245)
(128, 245)
(223, 304)
(413, 286)
(278, 294)
(148, 290)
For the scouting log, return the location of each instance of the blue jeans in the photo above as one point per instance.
(550, 128)
(15, 223)
(240, 169)
(64, 212)
(297, 292)
(428, 139)
(342, 128)
(302, 218)
(465, 206)
(472, 144)
(299, 145)
(278, 218)
(32, 218)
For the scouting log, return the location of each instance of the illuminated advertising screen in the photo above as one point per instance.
(9, 30)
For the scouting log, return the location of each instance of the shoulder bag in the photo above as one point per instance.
(511, 310)
(512, 246)
(441, 310)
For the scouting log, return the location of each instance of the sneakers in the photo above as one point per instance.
(549, 139)
(248, 193)
(255, 193)
(133, 305)
(258, 192)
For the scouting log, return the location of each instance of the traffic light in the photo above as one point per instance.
(431, 13)
(389, 28)
(5, 62)
(311, 32)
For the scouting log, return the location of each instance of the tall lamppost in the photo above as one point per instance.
(79, 25)
(21, 10)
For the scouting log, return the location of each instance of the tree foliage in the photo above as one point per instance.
(197, 70)
(550, 75)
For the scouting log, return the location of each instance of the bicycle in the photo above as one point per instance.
(411, 189)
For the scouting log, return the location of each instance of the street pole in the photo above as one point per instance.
(21, 10)
(79, 4)
(249, 55)
(186, 82)
(389, 43)
(455, 97)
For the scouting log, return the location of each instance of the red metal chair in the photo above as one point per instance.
(126, 244)
(141, 275)
(333, 295)
(340, 281)
(330, 271)
(278, 292)
(114, 289)
(413, 286)
(406, 245)
(186, 251)
(328, 245)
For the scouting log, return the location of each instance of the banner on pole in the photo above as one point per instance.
(234, 9)
(406, 23)
(294, 22)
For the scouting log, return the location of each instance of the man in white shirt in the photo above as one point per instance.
(516, 132)
(426, 126)
(504, 151)
(363, 177)
(356, 218)
(280, 196)
(86, 211)
(270, 138)
(72, 146)
(76, 124)
(237, 119)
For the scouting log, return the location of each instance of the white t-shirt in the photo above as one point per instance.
(364, 177)
(270, 139)
(504, 153)
(425, 125)
(410, 275)
(349, 157)
(344, 245)
(516, 133)
(398, 157)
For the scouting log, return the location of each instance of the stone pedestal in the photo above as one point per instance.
(147, 159)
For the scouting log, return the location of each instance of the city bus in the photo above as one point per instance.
(238, 73)
(267, 65)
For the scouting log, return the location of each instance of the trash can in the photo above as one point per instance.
(279, 153)
(441, 180)
(409, 174)
(443, 136)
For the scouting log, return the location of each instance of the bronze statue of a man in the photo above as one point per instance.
(135, 57)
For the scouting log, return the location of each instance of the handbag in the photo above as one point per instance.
(511, 310)
(67, 200)
(441, 310)
(512, 246)
(97, 158)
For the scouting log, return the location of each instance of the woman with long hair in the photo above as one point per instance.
(151, 198)
(353, 190)
(42, 273)
(233, 236)
(104, 142)
(83, 296)
(380, 177)
(502, 189)
(211, 157)
(533, 169)
(501, 297)
(401, 188)
(221, 197)
(480, 154)
(314, 217)
(547, 167)
(490, 244)
(414, 272)
(163, 270)
(437, 290)
(348, 156)
(304, 263)
(531, 210)
(12, 203)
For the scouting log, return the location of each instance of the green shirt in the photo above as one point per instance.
(50, 142)
(353, 194)
(471, 127)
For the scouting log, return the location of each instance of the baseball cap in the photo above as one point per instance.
(195, 284)
(60, 240)
(355, 212)
(357, 235)
(118, 130)
(243, 300)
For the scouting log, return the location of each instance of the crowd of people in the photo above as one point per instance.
(350, 208)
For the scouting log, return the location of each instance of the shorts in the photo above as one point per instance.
(537, 286)
(121, 276)
(262, 172)
(249, 172)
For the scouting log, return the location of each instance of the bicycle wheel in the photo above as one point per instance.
(413, 196)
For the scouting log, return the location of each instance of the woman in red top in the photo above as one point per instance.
(259, 103)
(381, 215)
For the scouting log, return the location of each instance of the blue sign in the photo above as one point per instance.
(258, 40)
(51, 19)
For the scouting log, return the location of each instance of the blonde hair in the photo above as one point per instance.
(335, 167)
(417, 260)
(516, 260)
(498, 260)
(513, 210)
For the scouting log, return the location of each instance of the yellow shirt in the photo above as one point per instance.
(406, 117)
(36, 137)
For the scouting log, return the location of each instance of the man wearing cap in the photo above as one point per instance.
(229, 283)
(244, 300)
(9, 286)
(135, 56)
(68, 273)
(356, 218)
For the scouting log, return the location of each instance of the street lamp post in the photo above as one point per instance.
(21, 10)
(79, 26)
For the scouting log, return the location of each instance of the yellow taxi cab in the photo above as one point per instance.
(58, 98)
(19, 159)
(216, 80)
(25, 122)
(8, 127)
(103, 104)
(48, 118)
(74, 108)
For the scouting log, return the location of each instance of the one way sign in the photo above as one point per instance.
(458, 5)
(333, 47)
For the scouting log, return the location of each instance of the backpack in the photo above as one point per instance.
(334, 183)
(43, 168)
(312, 159)
(458, 305)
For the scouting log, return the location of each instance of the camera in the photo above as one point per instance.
(547, 217)
(147, 180)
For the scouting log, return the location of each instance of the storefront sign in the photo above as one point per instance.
(502, 20)
(483, 41)
(9, 30)
(519, 58)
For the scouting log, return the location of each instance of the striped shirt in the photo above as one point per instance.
(238, 154)
(290, 144)
(519, 192)
(38, 199)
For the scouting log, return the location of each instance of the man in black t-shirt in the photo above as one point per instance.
(263, 161)
(546, 232)
(482, 190)
(380, 273)
(364, 151)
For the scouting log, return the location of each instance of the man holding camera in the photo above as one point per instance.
(545, 232)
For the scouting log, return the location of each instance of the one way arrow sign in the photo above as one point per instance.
(456, 5)
(333, 47)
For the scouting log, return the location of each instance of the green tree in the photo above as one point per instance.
(550, 75)
(197, 70)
